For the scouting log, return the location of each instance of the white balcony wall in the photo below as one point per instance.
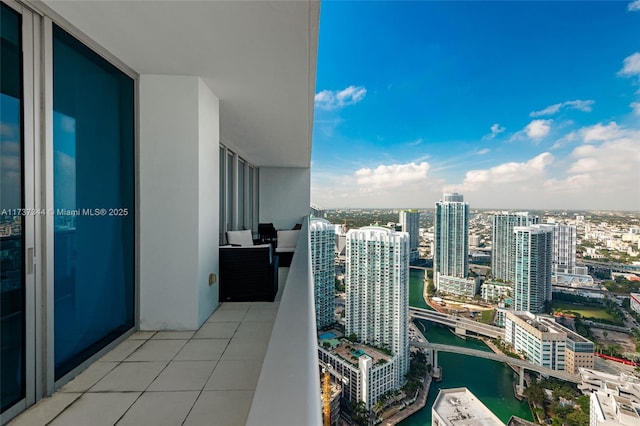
(284, 195)
(179, 184)
(288, 390)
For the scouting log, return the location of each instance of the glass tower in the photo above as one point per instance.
(533, 265)
(503, 247)
(451, 235)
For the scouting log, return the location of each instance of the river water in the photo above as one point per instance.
(490, 381)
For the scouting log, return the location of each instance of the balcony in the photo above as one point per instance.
(251, 363)
(222, 110)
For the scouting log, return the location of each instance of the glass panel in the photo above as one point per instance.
(241, 224)
(93, 201)
(12, 283)
(221, 218)
(229, 183)
(250, 224)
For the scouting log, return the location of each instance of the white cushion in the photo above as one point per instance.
(242, 238)
(287, 239)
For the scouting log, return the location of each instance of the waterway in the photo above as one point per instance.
(490, 381)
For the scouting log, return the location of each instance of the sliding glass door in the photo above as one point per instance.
(93, 192)
(67, 206)
(12, 235)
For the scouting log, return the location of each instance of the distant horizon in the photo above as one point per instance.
(481, 208)
(508, 103)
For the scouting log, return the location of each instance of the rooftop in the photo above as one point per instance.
(458, 407)
(349, 350)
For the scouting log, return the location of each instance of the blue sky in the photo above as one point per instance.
(514, 104)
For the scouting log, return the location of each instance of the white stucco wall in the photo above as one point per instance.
(178, 186)
(284, 195)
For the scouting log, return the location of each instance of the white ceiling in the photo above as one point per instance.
(258, 57)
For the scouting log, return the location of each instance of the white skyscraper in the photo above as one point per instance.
(533, 264)
(564, 247)
(503, 247)
(377, 291)
(322, 236)
(451, 238)
(410, 222)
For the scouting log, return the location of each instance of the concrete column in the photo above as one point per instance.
(179, 201)
(521, 385)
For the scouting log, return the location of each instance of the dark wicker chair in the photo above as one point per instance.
(248, 274)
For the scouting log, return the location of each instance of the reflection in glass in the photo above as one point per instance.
(221, 220)
(93, 202)
(241, 224)
(12, 283)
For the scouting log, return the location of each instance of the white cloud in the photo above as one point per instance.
(553, 109)
(504, 174)
(565, 140)
(635, 105)
(334, 99)
(608, 160)
(392, 176)
(600, 132)
(631, 66)
(535, 130)
(496, 129)
(415, 143)
(386, 185)
(483, 151)
(634, 6)
(538, 129)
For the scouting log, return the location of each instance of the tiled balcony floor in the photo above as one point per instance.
(206, 377)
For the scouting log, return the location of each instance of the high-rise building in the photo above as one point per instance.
(410, 222)
(322, 238)
(564, 248)
(377, 292)
(503, 247)
(533, 266)
(451, 238)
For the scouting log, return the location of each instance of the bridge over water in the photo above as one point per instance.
(459, 324)
(524, 365)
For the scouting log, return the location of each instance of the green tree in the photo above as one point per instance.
(360, 414)
(431, 288)
(577, 418)
(535, 394)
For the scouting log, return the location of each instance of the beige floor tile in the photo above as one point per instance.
(130, 376)
(245, 350)
(261, 315)
(96, 409)
(123, 350)
(254, 330)
(217, 330)
(142, 335)
(183, 376)
(202, 350)
(157, 350)
(45, 410)
(159, 409)
(228, 315)
(234, 306)
(220, 408)
(235, 375)
(89, 377)
(173, 335)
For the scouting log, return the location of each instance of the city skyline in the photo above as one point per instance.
(517, 105)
